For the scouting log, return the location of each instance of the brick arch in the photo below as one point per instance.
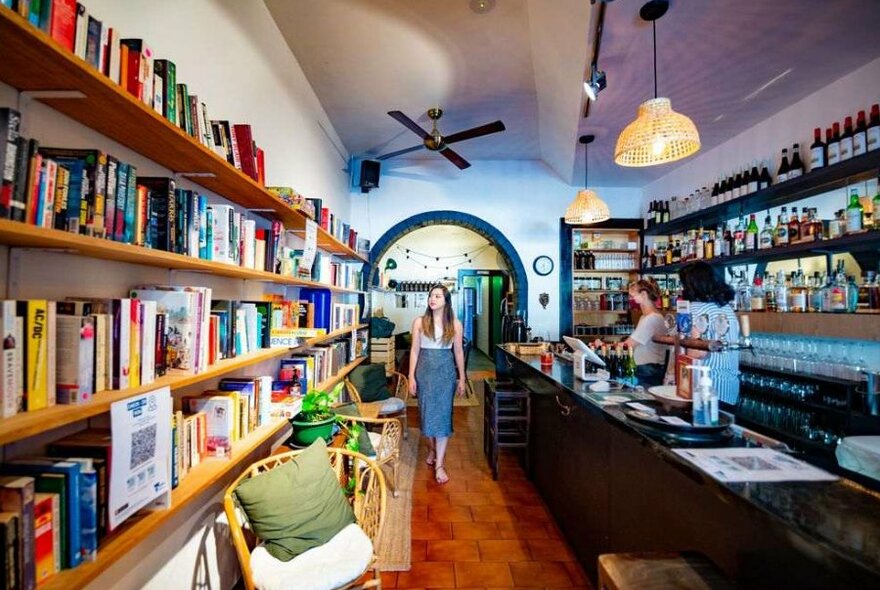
(518, 277)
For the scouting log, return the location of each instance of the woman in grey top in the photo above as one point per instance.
(436, 357)
(650, 357)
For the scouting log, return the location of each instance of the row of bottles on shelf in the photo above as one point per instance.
(620, 328)
(412, 286)
(586, 260)
(837, 147)
(747, 236)
(619, 361)
(602, 302)
(797, 293)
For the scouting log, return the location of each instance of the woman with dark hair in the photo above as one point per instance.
(650, 357)
(436, 356)
(713, 319)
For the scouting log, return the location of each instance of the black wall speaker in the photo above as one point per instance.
(369, 175)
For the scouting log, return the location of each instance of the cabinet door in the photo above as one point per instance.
(544, 439)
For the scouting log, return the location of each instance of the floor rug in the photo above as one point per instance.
(394, 546)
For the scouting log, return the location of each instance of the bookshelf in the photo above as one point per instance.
(199, 480)
(342, 374)
(108, 109)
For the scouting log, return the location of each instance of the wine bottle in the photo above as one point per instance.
(754, 177)
(739, 237)
(766, 239)
(794, 226)
(737, 185)
(860, 135)
(764, 181)
(846, 140)
(873, 131)
(751, 234)
(658, 212)
(832, 139)
(797, 166)
(817, 150)
(725, 191)
(781, 238)
(713, 197)
(782, 173)
(806, 229)
(664, 217)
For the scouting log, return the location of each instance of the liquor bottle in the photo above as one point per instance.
(719, 241)
(832, 141)
(860, 135)
(769, 293)
(728, 242)
(756, 298)
(754, 177)
(818, 226)
(669, 252)
(664, 213)
(782, 288)
(834, 226)
(709, 245)
(629, 367)
(739, 237)
(727, 190)
(782, 173)
(737, 185)
(713, 197)
(781, 229)
(798, 293)
(646, 258)
(764, 181)
(838, 299)
(854, 213)
(817, 286)
(873, 132)
(766, 239)
(657, 212)
(751, 234)
(817, 150)
(846, 140)
(699, 245)
(797, 166)
(676, 252)
(794, 226)
(876, 203)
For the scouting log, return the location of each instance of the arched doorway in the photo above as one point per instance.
(519, 279)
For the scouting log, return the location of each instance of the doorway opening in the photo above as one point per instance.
(482, 302)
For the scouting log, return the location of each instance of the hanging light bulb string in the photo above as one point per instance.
(469, 254)
(654, 27)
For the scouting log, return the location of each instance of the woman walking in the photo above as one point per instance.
(436, 373)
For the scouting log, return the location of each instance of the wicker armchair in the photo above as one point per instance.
(395, 406)
(385, 441)
(368, 503)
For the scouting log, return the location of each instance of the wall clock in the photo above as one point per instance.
(543, 265)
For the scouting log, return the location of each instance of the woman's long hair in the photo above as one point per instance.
(648, 286)
(699, 282)
(448, 317)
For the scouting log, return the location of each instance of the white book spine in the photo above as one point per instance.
(11, 350)
(250, 239)
(100, 321)
(147, 74)
(19, 364)
(115, 56)
(82, 31)
(148, 346)
(222, 225)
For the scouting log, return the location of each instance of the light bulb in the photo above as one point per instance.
(658, 146)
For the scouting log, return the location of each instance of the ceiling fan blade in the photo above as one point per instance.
(455, 158)
(475, 132)
(409, 124)
(421, 146)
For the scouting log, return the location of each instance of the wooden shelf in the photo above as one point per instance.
(596, 291)
(31, 423)
(197, 482)
(863, 242)
(607, 251)
(342, 374)
(335, 334)
(604, 270)
(14, 233)
(813, 183)
(617, 311)
(31, 61)
(858, 326)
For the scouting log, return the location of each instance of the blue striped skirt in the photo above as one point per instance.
(435, 388)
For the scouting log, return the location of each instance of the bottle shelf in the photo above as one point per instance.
(200, 480)
(15, 233)
(31, 61)
(810, 184)
(857, 326)
(600, 311)
(604, 270)
(861, 242)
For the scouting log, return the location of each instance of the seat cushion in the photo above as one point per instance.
(370, 381)
(375, 439)
(296, 506)
(392, 405)
(339, 561)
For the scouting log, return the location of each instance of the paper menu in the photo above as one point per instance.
(743, 464)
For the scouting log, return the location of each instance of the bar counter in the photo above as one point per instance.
(612, 488)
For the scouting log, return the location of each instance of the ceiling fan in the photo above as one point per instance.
(435, 141)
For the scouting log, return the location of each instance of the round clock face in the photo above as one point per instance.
(543, 265)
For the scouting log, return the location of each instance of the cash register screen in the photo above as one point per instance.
(579, 346)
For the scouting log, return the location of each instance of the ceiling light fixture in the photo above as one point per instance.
(587, 207)
(659, 134)
(482, 6)
(595, 84)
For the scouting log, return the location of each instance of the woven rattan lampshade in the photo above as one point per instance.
(658, 135)
(587, 207)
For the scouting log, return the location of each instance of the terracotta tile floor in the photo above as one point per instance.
(477, 533)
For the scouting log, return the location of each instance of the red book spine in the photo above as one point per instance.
(245, 141)
(325, 218)
(261, 167)
(62, 22)
(133, 83)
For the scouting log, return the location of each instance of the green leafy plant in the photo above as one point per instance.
(316, 405)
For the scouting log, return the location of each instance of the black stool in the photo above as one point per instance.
(506, 415)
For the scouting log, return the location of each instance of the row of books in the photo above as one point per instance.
(323, 216)
(131, 64)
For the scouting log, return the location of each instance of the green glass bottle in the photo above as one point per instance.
(854, 213)
(876, 203)
(630, 368)
(752, 234)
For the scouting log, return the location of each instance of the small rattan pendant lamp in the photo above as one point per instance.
(659, 134)
(587, 207)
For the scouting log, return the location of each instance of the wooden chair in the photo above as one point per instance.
(396, 404)
(368, 503)
(385, 441)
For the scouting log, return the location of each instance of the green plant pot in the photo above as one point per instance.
(305, 433)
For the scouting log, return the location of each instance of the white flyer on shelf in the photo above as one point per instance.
(311, 245)
(752, 464)
(139, 472)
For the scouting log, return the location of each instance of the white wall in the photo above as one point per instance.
(523, 199)
(232, 55)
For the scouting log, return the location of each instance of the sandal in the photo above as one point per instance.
(437, 474)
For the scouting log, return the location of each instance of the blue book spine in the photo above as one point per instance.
(175, 477)
(77, 183)
(130, 207)
(88, 487)
(41, 193)
(203, 227)
(209, 233)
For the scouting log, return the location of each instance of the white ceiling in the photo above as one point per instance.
(523, 62)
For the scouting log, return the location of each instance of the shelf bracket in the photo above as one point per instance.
(25, 97)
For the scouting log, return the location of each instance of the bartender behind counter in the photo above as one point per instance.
(650, 357)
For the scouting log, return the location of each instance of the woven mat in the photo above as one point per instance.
(469, 398)
(394, 546)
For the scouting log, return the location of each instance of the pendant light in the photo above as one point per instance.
(659, 134)
(587, 207)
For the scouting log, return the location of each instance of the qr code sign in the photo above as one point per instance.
(143, 446)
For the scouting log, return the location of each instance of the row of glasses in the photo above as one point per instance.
(781, 387)
(808, 356)
(794, 421)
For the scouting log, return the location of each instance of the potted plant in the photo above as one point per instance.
(316, 419)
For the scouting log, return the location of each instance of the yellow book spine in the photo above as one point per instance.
(37, 371)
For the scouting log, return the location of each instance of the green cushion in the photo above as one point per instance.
(370, 382)
(297, 506)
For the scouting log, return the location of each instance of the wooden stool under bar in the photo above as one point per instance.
(660, 571)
